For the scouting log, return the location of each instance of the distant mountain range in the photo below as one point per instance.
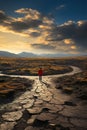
(26, 54)
(7, 54)
(32, 55)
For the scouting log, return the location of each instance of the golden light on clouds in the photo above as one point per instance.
(44, 27)
(16, 47)
(48, 21)
(41, 40)
(80, 23)
(34, 32)
(68, 41)
(7, 30)
(14, 43)
(73, 47)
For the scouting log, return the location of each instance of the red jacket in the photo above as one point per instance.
(40, 72)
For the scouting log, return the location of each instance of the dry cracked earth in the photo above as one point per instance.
(43, 108)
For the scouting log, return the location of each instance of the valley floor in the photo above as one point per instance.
(45, 107)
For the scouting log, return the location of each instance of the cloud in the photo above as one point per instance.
(71, 32)
(73, 47)
(43, 46)
(35, 34)
(30, 20)
(68, 41)
(2, 16)
(56, 47)
(44, 32)
(29, 12)
(60, 7)
(5, 20)
(20, 26)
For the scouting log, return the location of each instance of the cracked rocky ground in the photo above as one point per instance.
(44, 108)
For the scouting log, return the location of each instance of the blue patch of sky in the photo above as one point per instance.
(74, 9)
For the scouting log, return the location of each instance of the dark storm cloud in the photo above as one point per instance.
(3, 16)
(61, 32)
(19, 26)
(43, 46)
(35, 34)
(30, 19)
(77, 32)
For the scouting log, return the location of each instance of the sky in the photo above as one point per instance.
(43, 26)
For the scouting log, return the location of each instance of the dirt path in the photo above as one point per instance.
(43, 108)
(74, 68)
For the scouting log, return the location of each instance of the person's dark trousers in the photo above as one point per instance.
(40, 77)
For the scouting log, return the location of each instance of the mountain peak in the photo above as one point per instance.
(27, 54)
(7, 54)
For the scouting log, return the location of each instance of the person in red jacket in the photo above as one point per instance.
(40, 73)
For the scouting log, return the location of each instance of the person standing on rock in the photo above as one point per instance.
(40, 73)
